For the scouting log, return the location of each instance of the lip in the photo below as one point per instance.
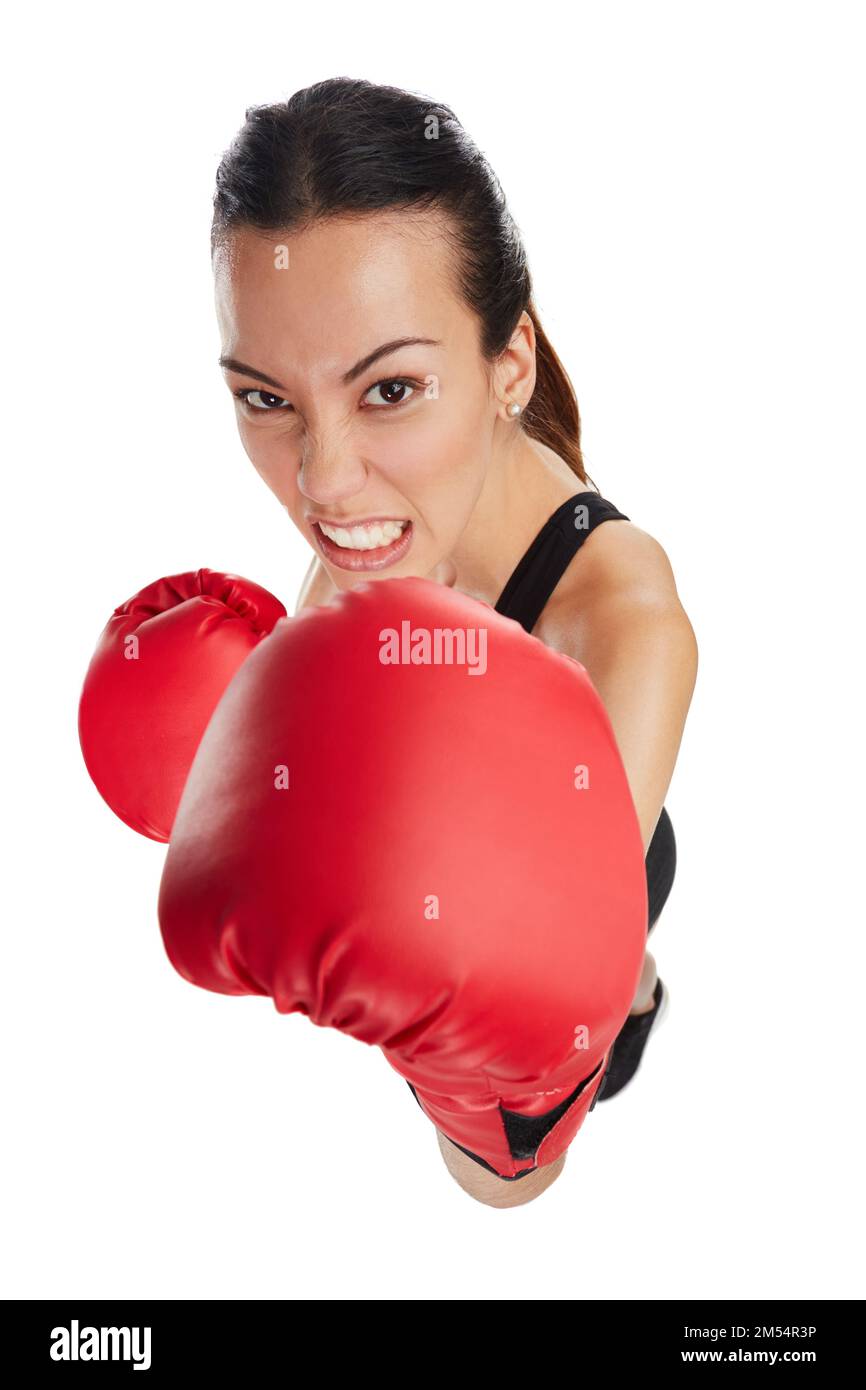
(381, 558)
(347, 523)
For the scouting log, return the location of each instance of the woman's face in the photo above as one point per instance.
(386, 446)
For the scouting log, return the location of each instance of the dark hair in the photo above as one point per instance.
(347, 146)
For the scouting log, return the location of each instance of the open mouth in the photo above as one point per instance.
(371, 546)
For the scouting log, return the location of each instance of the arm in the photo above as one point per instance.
(629, 629)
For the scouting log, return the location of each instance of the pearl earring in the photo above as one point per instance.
(514, 409)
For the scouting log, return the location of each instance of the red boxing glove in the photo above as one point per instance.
(159, 670)
(408, 819)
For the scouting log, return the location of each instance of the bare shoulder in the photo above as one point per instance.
(619, 558)
(620, 577)
(316, 589)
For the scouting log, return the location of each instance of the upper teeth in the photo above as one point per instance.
(365, 537)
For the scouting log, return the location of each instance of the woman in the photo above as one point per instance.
(395, 390)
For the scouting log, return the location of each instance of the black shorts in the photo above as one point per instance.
(661, 865)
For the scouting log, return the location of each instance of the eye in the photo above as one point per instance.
(395, 391)
(391, 388)
(271, 403)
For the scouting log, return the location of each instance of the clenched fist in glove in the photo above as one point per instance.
(159, 670)
(408, 819)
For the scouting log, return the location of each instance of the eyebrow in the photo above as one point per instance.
(233, 365)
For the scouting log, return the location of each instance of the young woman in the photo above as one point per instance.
(395, 390)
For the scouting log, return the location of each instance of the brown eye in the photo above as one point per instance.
(269, 402)
(393, 392)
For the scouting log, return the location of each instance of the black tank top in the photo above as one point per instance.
(550, 554)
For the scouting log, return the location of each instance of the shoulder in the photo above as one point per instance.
(620, 580)
(619, 558)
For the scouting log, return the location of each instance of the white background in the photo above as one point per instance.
(688, 180)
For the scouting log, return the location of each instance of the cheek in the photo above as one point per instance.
(442, 442)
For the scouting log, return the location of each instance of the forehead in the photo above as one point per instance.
(321, 297)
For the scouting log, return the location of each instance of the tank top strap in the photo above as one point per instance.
(545, 562)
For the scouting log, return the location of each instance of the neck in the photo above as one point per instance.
(524, 486)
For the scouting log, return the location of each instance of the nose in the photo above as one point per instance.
(331, 471)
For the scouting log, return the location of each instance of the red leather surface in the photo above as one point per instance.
(400, 851)
(145, 703)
